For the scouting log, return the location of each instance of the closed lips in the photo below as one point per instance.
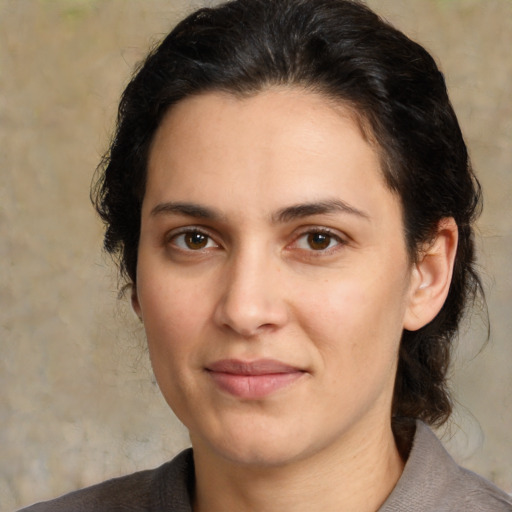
(255, 379)
(258, 367)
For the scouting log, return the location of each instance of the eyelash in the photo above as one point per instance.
(333, 237)
(172, 237)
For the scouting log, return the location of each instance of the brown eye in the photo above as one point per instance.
(195, 240)
(319, 241)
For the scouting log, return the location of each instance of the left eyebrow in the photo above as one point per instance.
(186, 209)
(329, 206)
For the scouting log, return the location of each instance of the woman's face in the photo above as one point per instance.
(273, 278)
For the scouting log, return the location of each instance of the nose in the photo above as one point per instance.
(252, 300)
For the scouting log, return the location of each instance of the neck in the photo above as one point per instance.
(356, 474)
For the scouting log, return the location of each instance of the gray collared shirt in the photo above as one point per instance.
(431, 482)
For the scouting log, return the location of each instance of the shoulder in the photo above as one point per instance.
(164, 488)
(432, 481)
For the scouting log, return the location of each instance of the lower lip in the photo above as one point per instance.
(254, 387)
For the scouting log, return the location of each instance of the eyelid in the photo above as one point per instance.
(174, 233)
(341, 239)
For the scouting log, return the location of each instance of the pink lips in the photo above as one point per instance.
(255, 379)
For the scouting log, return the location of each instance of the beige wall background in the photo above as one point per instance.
(78, 401)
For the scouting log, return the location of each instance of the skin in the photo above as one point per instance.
(233, 265)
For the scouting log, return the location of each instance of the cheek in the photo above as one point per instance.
(357, 335)
(357, 322)
(173, 316)
(173, 325)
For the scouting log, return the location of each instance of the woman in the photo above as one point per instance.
(290, 197)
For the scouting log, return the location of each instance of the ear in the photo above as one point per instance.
(135, 301)
(431, 276)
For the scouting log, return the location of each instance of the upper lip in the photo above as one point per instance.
(257, 367)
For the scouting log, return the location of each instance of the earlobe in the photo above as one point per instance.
(135, 302)
(431, 276)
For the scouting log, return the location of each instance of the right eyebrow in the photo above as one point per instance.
(187, 209)
(328, 206)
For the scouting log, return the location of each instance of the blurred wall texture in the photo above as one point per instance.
(78, 402)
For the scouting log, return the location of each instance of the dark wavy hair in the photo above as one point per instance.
(343, 50)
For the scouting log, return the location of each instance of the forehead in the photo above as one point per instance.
(289, 143)
(298, 117)
(283, 103)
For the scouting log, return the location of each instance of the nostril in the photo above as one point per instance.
(250, 318)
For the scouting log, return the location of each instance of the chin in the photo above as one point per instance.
(260, 447)
(260, 456)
